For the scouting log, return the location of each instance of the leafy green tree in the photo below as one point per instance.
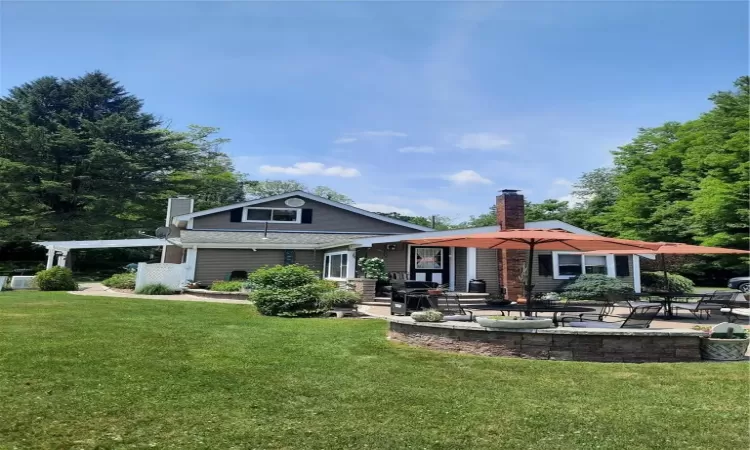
(268, 188)
(78, 158)
(549, 209)
(212, 181)
(440, 222)
(330, 194)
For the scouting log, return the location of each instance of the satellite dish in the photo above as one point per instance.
(163, 232)
(294, 202)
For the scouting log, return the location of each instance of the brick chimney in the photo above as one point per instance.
(175, 207)
(510, 215)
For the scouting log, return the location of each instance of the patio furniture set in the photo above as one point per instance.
(410, 296)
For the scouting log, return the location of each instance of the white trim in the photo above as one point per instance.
(471, 265)
(636, 272)
(452, 268)
(50, 256)
(169, 212)
(191, 261)
(163, 253)
(190, 224)
(272, 209)
(178, 220)
(351, 263)
(282, 246)
(611, 269)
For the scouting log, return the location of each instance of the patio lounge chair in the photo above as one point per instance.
(640, 317)
(630, 301)
(708, 303)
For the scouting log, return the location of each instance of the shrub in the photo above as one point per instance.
(288, 291)
(283, 277)
(595, 286)
(654, 281)
(155, 289)
(121, 281)
(339, 299)
(55, 279)
(430, 315)
(373, 268)
(228, 286)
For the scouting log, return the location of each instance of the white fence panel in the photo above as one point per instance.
(172, 275)
(22, 282)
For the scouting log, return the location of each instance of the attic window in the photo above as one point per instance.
(281, 215)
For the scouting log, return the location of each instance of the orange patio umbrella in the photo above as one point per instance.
(674, 248)
(532, 239)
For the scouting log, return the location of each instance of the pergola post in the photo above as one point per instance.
(62, 260)
(50, 256)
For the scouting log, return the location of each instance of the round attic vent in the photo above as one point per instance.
(294, 202)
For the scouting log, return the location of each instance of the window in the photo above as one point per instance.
(568, 265)
(282, 215)
(595, 264)
(428, 258)
(338, 265)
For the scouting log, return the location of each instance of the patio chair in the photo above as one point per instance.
(598, 315)
(709, 303)
(631, 301)
(450, 305)
(640, 317)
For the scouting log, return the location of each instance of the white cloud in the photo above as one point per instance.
(383, 208)
(312, 168)
(417, 149)
(482, 141)
(468, 177)
(345, 140)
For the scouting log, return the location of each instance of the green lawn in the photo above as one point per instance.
(86, 372)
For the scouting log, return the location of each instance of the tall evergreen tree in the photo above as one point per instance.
(80, 159)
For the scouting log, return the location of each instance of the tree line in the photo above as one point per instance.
(80, 159)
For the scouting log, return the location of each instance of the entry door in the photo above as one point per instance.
(430, 264)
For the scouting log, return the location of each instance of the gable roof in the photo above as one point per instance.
(545, 224)
(183, 219)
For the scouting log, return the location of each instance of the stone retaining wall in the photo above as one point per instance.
(205, 293)
(556, 343)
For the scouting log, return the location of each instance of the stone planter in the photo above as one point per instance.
(522, 323)
(365, 287)
(724, 349)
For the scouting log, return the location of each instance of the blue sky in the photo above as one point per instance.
(416, 107)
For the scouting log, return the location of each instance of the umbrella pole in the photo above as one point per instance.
(664, 269)
(529, 271)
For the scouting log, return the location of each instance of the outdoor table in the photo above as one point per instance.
(545, 309)
(667, 298)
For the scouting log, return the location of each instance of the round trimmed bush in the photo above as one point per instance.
(654, 281)
(55, 279)
(339, 299)
(121, 281)
(595, 286)
(287, 291)
(155, 289)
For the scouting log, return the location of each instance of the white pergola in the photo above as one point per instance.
(62, 248)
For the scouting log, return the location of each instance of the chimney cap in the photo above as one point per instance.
(510, 191)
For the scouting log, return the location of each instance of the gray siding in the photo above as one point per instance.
(395, 260)
(460, 264)
(487, 269)
(215, 263)
(324, 218)
(548, 284)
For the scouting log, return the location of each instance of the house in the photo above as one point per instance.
(329, 237)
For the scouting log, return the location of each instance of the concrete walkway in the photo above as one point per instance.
(99, 290)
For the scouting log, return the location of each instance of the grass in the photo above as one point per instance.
(87, 372)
